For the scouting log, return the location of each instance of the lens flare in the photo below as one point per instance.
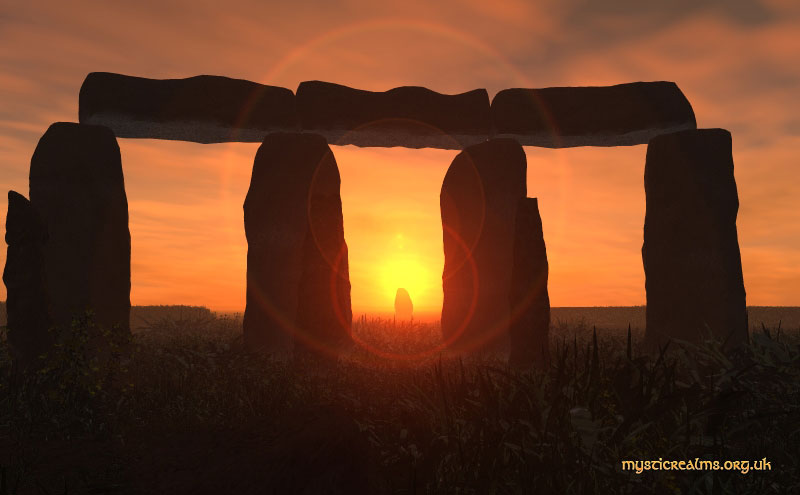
(407, 272)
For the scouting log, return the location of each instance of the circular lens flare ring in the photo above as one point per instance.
(446, 343)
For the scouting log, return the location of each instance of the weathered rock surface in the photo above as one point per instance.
(621, 115)
(324, 315)
(213, 109)
(26, 303)
(203, 109)
(530, 303)
(77, 187)
(479, 200)
(408, 116)
(298, 289)
(403, 307)
(691, 257)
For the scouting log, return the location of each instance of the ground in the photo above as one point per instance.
(183, 409)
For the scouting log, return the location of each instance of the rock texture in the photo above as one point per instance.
(691, 255)
(530, 303)
(621, 115)
(298, 289)
(408, 116)
(203, 109)
(324, 316)
(77, 186)
(213, 109)
(403, 307)
(26, 304)
(479, 200)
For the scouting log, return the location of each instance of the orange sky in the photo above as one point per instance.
(735, 60)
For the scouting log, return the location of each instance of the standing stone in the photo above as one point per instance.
(530, 303)
(691, 257)
(298, 289)
(26, 304)
(479, 199)
(403, 307)
(77, 186)
(324, 315)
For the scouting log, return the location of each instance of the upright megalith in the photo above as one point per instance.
(26, 303)
(403, 307)
(691, 257)
(620, 115)
(77, 187)
(479, 200)
(409, 116)
(298, 288)
(324, 316)
(530, 304)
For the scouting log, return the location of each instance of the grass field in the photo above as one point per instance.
(603, 317)
(184, 409)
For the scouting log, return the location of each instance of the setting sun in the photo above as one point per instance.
(226, 224)
(405, 271)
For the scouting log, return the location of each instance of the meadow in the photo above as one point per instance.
(183, 408)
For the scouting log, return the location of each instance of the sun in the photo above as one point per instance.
(408, 272)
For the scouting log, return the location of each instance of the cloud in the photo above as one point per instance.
(734, 59)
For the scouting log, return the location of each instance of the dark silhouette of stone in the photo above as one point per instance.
(408, 116)
(213, 109)
(298, 289)
(530, 303)
(26, 304)
(324, 315)
(77, 187)
(691, 257)
(621, 115)
(403, 307)
(479, 199)
(203, 109)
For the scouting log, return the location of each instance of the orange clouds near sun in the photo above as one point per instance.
(390, 202)
(189, 246)
(735, 63)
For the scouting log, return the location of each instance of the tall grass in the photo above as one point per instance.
(408, 420)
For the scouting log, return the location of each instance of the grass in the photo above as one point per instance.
(184, 409)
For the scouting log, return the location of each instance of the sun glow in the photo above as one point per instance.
(405, 270)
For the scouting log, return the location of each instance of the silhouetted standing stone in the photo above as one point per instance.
(530, 303)
(479, 199)
(298, 289)
(77, 186)
(26, 304)
(691, 254)
(324, 315)
(403, 307)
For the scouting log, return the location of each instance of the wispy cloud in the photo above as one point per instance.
(735, 60)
